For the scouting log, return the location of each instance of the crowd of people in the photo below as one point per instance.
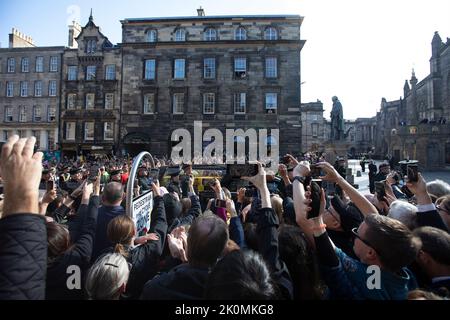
(302, 233)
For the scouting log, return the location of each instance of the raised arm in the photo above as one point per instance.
(357, 198)
(23, 233)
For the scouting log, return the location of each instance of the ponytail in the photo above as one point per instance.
(120, 249)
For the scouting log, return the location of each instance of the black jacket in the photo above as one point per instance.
(183, 282)
(144, 259)
(23, 257)
(79, 255)
(267, 225)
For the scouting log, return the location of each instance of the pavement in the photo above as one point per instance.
(363, 180)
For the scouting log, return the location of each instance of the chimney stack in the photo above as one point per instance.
(74, 31)
(200, 12)
(18, 39)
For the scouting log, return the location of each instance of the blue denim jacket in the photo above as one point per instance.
(349, 280)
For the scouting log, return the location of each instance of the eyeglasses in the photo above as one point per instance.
(442, 209)
(355, 233)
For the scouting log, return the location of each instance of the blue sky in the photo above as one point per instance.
(358, 50)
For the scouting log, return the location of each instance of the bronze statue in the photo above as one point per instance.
(337, 120)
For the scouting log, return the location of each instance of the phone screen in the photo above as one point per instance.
(93, 173)
(243, 170)
(50, 185)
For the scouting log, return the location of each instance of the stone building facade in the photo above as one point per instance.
(313, 126)
(417, 126)
(90, 95)
(29, 91)
(230, 72)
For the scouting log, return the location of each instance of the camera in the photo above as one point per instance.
(242, 170)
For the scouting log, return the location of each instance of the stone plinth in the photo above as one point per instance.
(334, 149)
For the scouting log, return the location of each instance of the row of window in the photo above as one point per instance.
(89, 131)
(240, 68)
(89, 102)
(178, 101)
(209, 103)
(212, 34)
(38, 67)
(25, 90)
(91, 73)
(35, 133)
(37, 114)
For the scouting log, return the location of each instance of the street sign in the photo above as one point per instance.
(141, 211)
(139, 208)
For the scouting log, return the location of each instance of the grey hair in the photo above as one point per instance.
(438, 188)
(106, 276)
(404, 212)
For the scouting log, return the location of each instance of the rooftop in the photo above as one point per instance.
(206, 18)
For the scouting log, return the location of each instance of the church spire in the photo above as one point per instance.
(413, 80)
(91, 18)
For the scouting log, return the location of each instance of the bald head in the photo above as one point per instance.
(113, 193)
(207, 238)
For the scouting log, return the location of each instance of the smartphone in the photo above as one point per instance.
(315, 171)
(154, 174)
(243, 170)
(315, 197)
(379, 190)
(318, 181)
(50, 185)
(413, 173)
(93, 173)
(221, 203)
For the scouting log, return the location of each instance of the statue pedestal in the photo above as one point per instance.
(334, 149)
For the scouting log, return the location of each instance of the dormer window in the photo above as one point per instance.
(210, 34)
(152, 36)
(270, 34)
(240, 34)
(91, 46)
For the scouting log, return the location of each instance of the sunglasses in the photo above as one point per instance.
(356, 235)
(442, 209)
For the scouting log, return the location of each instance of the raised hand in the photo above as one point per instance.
(21, 171)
